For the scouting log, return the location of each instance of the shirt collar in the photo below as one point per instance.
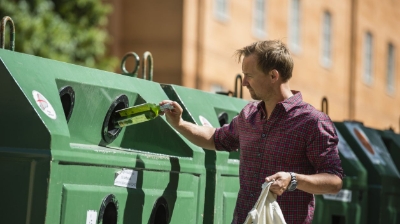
(288, 103)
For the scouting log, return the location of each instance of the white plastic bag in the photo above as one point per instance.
(266, 210)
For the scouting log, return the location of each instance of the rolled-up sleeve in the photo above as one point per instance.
(322, 148)
(226, 138)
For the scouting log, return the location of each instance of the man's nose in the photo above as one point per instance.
(245, 82)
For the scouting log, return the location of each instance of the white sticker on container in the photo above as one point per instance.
(204, 121)
(343, 195)
(44, 104)
(91, 217)
(346, 151)
(126, 178)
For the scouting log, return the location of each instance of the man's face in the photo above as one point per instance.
(258, 83)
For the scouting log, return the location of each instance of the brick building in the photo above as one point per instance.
(344, 51)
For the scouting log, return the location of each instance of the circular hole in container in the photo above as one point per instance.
(160, 214)
(67, 96)
(364, 140)
(109, 132)
(108, 213)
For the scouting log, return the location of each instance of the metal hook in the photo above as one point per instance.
(235, 94)
(324, 105)
(3, 32)
(147, 56)
(137, 65)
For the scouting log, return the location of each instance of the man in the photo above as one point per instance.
(281, 138)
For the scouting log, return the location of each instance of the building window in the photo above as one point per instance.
(221, 11)
(259, 15)
(390, 76)
(327, 40)
(368, 58)
(294, 26)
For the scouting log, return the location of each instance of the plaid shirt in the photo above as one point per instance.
(296, 138)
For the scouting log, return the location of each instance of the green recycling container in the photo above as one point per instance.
(392, 142)
(63, 161)
(383, 176)
(349, 206)
(222, 184)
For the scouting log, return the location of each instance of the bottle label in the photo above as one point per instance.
(166, 106)
(132, 120)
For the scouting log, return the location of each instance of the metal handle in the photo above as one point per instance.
(3, 32)
(147, 57)
(137, 65)
(324, 105)
(235, 94)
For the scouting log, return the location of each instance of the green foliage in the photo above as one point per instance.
(72, 31)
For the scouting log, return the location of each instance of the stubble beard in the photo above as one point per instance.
(254, 95)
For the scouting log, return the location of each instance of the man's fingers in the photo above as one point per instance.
(173, 104)
(278, 186)
(271, 178)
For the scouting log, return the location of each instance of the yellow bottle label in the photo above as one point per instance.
(132, 120)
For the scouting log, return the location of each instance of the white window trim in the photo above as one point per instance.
(260, 33)
(221, 15)
(326, 60)
(391, 69)
(295, 29)
(368, 54)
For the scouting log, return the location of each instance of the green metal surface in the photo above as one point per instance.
(392, 143)
(383, 176)
(349, 206)
(222, 167)
(54, 171)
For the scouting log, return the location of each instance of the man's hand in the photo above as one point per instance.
(320, 183)
(174, 116)
(281, 182)
(202, 136)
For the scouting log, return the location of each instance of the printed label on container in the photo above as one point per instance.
(343, 195)
(346, 151)
(44, 104)
(91, 217)
(204, 121)
(126, 178)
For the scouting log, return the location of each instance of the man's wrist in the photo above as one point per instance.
(293, 182)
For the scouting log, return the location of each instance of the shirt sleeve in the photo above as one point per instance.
(322, 148)
(226, 138)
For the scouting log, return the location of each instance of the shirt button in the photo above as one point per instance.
(255, 175)
(263, 135)
(259, 154)
(251, 195)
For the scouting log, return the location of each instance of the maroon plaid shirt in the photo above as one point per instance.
(296, 138)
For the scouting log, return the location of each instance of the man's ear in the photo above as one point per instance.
(274, 75)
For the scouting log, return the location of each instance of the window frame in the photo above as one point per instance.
(221, 10)
(327, 43)
(368, 56)
(295, 26)
(391, 69)
(259, 16)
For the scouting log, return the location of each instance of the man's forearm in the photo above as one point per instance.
(202, 136)
(321, 183)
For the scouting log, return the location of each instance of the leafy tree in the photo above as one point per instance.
(72, 31)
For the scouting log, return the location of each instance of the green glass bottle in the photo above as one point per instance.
(137, 114)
